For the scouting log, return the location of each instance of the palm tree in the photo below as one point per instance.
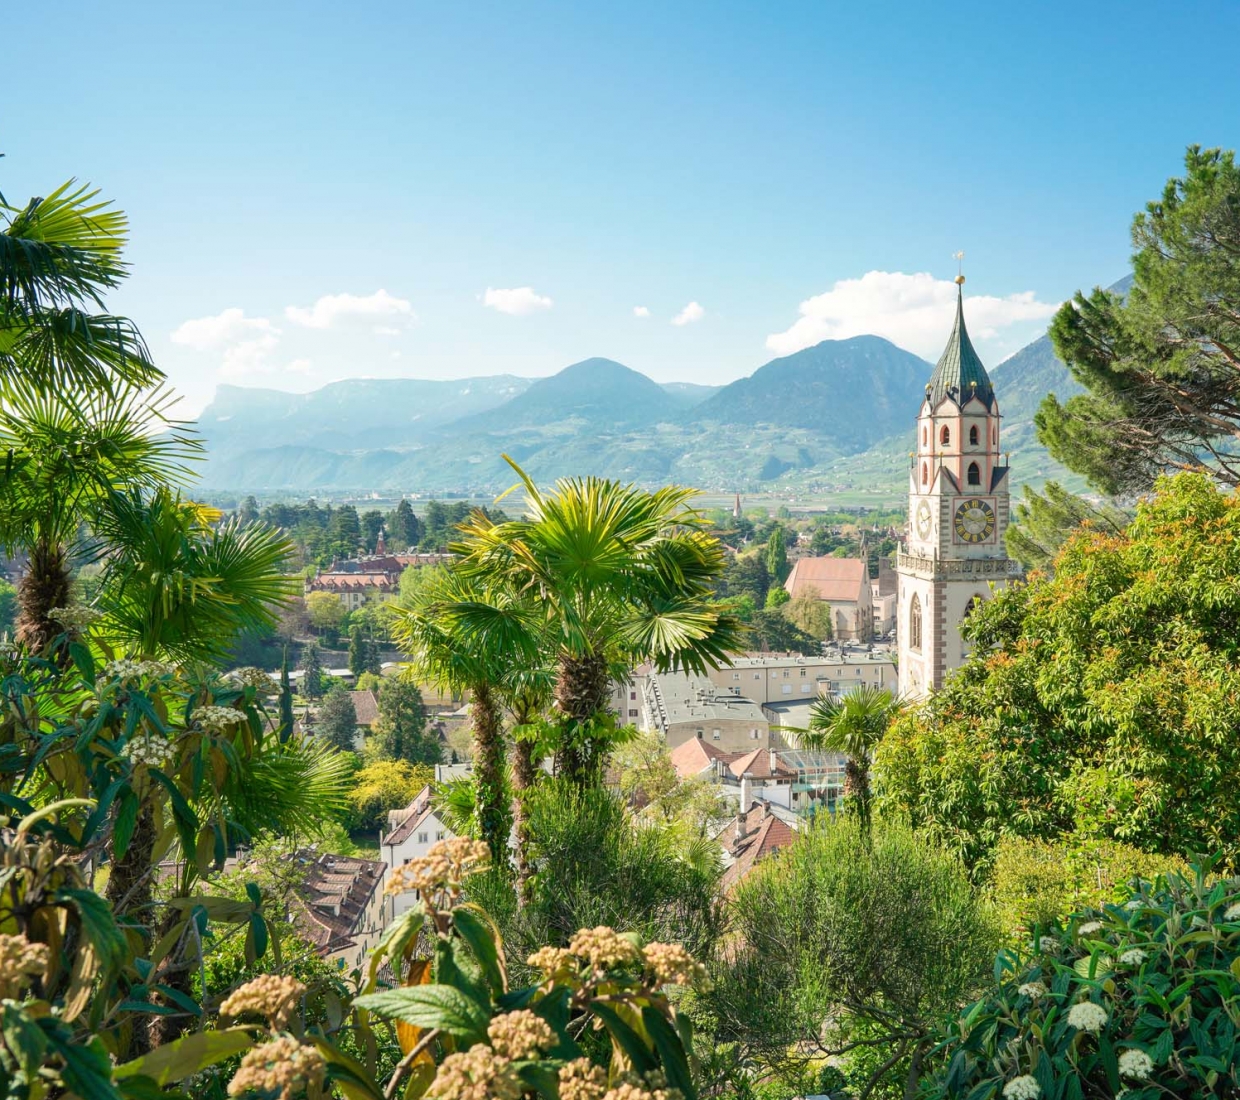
(619, 576)
(65, 457)
(57, 256)
(178, 587)
(464, 637)
(853, 724)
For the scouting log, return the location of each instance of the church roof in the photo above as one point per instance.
(959, 373)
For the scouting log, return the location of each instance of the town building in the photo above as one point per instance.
(844, 584)
(376, 578)
(756, 833)
(366, 707)
(776, 678)
(958, 514)
(411, 833)
(680, 707)
(340, 906)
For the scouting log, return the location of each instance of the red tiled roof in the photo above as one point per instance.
(751, 836)
(837, 579)
(758, 764)
(333, 897)
(693, 757)
(415, 813)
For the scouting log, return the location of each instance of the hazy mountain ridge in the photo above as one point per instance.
(836, 415)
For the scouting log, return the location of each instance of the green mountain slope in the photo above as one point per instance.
(855, 392)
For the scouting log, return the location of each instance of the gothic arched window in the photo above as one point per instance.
(994, 437)
(925, 473)
(975, 474)
(945, 435)
(925, 436)
(914, 624)
(973, 436)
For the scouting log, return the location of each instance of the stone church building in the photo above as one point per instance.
(958, 513)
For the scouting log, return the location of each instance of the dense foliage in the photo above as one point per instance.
(1101, 701)
(1136, 998)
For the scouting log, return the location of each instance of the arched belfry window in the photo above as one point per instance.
(925, 473)
(925, 436)
(914, 624)
(945, 435)
(973, 436)
(975, 474)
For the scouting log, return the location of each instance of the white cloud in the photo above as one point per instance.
(298, 366)
(230, 327)
(913, 311)
(692, 312)
(386, 330)
(331, 308)
(641, 311)
(517, 301)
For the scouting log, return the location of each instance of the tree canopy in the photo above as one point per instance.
(1101, 700)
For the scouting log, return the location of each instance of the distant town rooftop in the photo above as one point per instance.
(695, 699)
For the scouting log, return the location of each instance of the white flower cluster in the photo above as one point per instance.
(151, 751)
(1136, 1064)
(1233, 912)
(1024, 1087)
(1087, 1016)
(1089, 928)
(217, 719)
(1133, 904)
(1032, 990)
(1048, 945)
(128, 672)
(8, 649)
(1134, 956)
(255, 678)
(74, 618)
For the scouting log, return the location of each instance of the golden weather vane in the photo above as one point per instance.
(959, 258)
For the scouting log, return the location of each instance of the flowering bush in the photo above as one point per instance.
(1139, 999)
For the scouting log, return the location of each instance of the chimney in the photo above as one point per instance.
(746, 791)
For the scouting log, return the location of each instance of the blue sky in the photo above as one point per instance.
(282, 163)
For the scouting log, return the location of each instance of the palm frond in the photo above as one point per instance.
(288, 786)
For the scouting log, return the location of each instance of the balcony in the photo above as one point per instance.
(940, 569)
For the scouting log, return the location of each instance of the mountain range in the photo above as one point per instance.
(832, 417)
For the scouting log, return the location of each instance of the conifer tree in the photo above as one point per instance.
(312, 666)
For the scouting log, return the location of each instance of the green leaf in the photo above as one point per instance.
(126, 819)
(396, 938)
(431, 1006)
(626, 1038)
(88, 1069)
(98, 925)
(483, 939)
(25, 1040)
(258, 929)
(348, 1073)
(82, 658)
(671, 1053)
(184, 1057)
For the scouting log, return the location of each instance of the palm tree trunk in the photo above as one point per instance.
(493, 819)
(523, 773)
(45, 585)
(581, 692)
(130, 892)
(857, 787)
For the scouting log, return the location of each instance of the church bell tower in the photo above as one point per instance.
(958, 512)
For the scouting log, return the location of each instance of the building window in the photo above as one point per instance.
(716, 734)
(632, 713)
(925, 473)
(803, 674)
(439, 834)
(805, 689)
(785, 674)
(632, 695)
(975, 474)
(736, 676)
(925, 436)
(757, 676)
(753, 735)
(945, 435)
(786, 689)
(422, 838)
(973, 436)
(914, 624)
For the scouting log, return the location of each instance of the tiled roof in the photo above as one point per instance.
(759, 763)
(333, 898)
(366, 705)
(351, 582)
(960, 374)
(752, 835)
(414, 814)
(836, 579)
(693, 757)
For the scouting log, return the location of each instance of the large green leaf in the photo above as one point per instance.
(184, 1057)
(431, 1006)
(477, 930)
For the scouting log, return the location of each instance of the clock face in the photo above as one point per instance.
(923, 520)
(975, 521)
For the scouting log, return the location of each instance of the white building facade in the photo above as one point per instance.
(958, 513)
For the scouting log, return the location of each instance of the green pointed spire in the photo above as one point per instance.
(960, 374)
